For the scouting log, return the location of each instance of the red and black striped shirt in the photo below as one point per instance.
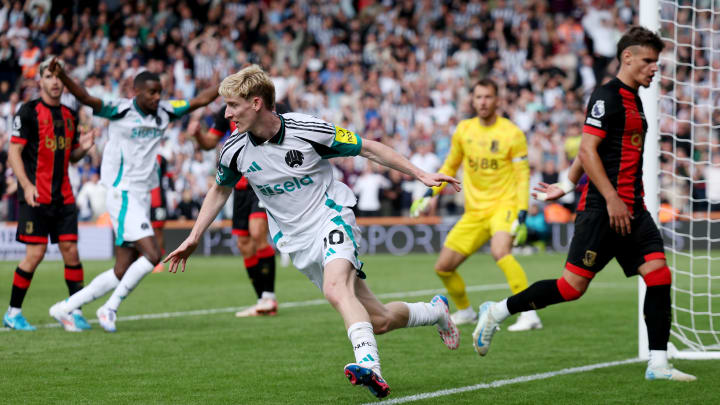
(615, 113)
(49, 135)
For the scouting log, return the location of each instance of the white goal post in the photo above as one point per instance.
(681, 115)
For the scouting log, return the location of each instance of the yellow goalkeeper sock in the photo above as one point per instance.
(456, 288)
(514, 273)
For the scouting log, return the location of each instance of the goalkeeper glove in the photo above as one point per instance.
(519, 229)
(420, 205)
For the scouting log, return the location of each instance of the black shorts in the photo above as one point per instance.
(246, 206)
(60, 221)
(595, 244)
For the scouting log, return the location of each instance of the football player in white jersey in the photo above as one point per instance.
(284, 158)
(129, 172)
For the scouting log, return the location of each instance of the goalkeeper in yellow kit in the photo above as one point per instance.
(496, 177)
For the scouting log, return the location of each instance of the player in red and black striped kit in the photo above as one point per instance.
(611, 220)
(158, 208)
(249, 227)
(44, 142)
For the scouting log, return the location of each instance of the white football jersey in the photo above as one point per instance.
(129, 160)
(291, 175)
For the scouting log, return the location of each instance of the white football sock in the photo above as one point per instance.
(137, 270)
(500, 311)
(363, 340)
(267, 295)
(100, 286)
(422, 314)
(658, 359)
(12, 311)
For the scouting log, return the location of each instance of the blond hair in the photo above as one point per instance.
(250, 82)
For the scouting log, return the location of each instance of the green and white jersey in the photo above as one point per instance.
(291, 175)
(129, 159)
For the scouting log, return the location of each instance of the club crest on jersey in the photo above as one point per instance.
(598, 109)
(589, 259)
(294, 158)
(494, 146)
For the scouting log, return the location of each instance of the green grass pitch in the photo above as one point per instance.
(297, 357)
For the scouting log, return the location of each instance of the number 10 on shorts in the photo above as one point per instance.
(335, 237)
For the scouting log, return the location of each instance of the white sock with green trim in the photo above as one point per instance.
(363, 340)
(99, 286)
(423, 314)
(137, 270)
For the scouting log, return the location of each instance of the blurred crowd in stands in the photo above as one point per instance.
(394, 71)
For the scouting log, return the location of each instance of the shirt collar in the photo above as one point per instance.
(139, 110)
(276, 139)
(625, 86)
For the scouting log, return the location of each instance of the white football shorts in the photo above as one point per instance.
(335, 238)
(130, 215)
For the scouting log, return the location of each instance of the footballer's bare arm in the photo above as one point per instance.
(73, 87)
(214, 202)
(388, 157)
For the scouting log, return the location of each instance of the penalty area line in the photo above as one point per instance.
(509, 381)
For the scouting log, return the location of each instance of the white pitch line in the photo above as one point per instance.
(500, 383)
(321, 301)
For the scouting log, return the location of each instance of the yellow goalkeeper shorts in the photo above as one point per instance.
(472, 231)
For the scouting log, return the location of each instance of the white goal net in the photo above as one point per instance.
(688, 187)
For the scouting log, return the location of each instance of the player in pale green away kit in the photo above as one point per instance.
(129, 171)
(284, 157)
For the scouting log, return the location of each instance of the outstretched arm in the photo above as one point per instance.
(213, 203)
(204, 98)
(387, 157)
(449, 167)
(551, 192)
(77, 90)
